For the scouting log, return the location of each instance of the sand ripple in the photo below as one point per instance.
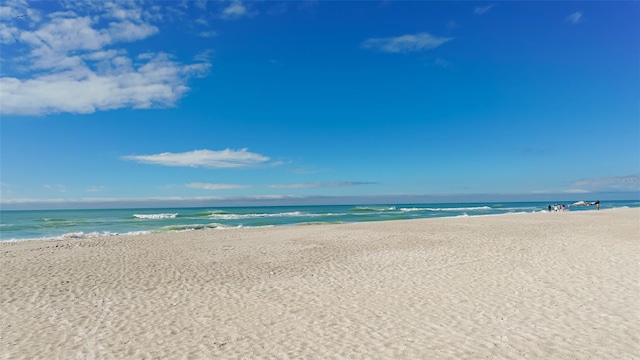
(534, 286)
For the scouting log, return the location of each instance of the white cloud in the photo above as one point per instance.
(235, 10)
(405, 43)
(11, 9)
(8, 12)
(128, 31)
(481, 10)
(15, 13)
(209, 186)
(318, 185)
(8, 34)
(95, 188)
(575, 18)
(203, 158)
(75, 68)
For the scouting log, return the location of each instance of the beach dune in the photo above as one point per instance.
(534, 286)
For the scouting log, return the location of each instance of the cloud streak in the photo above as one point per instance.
(405, 43)
(223, 159)
(481, 10)
(318, 185)
(613, 183)
(209, 186)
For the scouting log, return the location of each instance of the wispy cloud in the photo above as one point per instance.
(613, 183)
(481, 10)
(442, 63)
(576, 191)
(18, 10)
(95, 188)
(58, 187)
(73, 63)
(405, 43)
(209, 186)
(200, 4)
(567, 191)
(202, 22)
(318, 185)
(222, 159)
(235, 10)
(208, 34)
(575, 18)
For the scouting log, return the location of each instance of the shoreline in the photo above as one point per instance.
(81, 235)
(531, 285)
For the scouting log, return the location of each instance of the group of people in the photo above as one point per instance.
(557, 207)
(563, 207)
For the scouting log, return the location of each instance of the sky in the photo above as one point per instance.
(141, 103)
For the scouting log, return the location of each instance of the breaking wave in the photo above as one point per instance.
(227, 216)
(155, 216)
(474, 208)
(372, 208)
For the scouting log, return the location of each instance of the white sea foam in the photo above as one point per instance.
(474, 208)
(155, 216)
(370, 208)
(83, 235)
(255, 216)
(190, 227)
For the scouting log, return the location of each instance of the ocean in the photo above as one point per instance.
(67, 224)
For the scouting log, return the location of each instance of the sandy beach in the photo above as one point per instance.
(532, 286)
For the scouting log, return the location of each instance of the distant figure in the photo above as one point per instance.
(563, 207)
(597, 204)
(549, 208)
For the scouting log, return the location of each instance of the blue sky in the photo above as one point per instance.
(237, 102)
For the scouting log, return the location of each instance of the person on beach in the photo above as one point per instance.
(563, 207)
(597, 204)
(549, 208)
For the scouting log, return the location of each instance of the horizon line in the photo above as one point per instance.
(316, 200)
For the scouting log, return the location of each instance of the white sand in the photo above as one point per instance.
(534, 286)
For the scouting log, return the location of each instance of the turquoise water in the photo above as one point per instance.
(58, 224)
